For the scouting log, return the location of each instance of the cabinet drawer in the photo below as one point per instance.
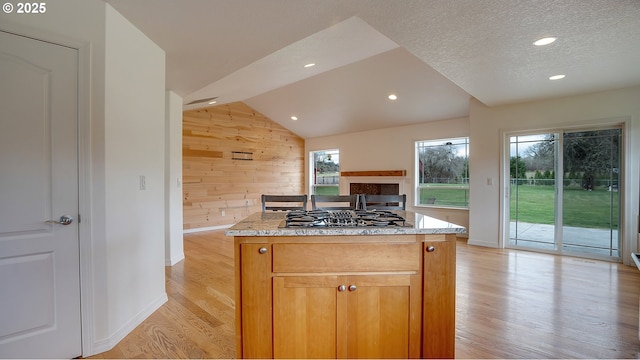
(322, 258)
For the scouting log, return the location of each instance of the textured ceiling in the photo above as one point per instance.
(344, 43)
(434, 54)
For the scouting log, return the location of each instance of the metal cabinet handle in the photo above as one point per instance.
(342, 288)
(262, 250)
(352, 288)
(431, 249)
(64, 220)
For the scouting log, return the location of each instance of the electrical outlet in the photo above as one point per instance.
(223, 213)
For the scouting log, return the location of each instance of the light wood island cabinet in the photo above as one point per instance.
(320, 294)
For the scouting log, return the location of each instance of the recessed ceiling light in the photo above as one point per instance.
(556, 77)
(310, 65)
(393, 97)
(212, 102)
(294, 118)
(544, 41)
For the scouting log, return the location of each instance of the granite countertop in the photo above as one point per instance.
(271, 224)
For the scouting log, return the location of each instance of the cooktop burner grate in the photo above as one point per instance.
(343, 218)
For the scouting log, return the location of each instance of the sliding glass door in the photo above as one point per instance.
(590, 192)
(564, 193)
(533, 203)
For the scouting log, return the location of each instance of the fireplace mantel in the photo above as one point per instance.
(375, 173)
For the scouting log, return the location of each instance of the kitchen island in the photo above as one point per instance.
(345, 292)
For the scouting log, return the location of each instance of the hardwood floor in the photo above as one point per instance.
(199, 318)
(518, 304)
(510, 304)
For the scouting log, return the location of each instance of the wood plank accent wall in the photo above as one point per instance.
(219, 190)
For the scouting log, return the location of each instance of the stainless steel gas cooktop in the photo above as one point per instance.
(343, 218)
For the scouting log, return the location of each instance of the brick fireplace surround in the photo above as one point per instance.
(374, 189)
(385, 182)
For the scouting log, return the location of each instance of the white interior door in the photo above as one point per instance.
(39, 261)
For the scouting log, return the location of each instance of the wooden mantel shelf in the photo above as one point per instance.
(375, 173)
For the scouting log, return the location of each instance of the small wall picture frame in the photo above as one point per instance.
(241, 155)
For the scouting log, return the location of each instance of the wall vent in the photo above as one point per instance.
(200, 101)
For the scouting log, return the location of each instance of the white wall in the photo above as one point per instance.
(486, 126)
(392, 149)
(174, 250)
(134, 143)
(121, 129)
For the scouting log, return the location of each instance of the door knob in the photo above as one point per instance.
(64, 220)
(342, 288)
(352, 288)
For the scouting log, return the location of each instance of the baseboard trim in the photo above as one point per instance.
(475, 242)
(109, 343)
(209, 228)
(174, 260)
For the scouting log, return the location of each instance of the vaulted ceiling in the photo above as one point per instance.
(433, 54)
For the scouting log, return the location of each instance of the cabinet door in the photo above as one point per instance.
(308, 317)
(255, 300)
(383, 316)
(439, 298)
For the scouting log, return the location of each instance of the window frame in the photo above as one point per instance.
(312, 171)
(419, 187)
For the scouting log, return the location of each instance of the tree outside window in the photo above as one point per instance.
(326, 172)
(443, 172)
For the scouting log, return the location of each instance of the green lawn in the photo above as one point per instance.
(327, 190)
(590, 209)
(456, 197)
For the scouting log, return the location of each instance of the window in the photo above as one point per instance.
(325, 172)
(442, 168)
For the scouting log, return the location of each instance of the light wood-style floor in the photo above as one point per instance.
(510, 304)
